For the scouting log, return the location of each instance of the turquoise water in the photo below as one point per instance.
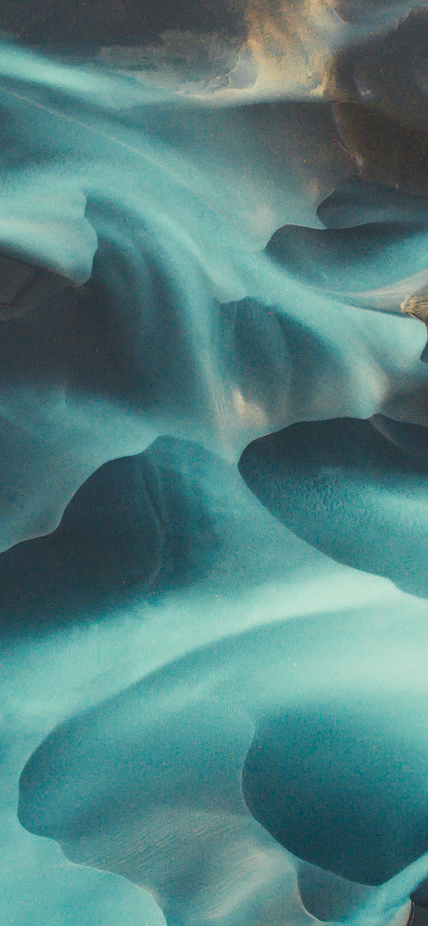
(213, 478)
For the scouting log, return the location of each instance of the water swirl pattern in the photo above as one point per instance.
(214, 463)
